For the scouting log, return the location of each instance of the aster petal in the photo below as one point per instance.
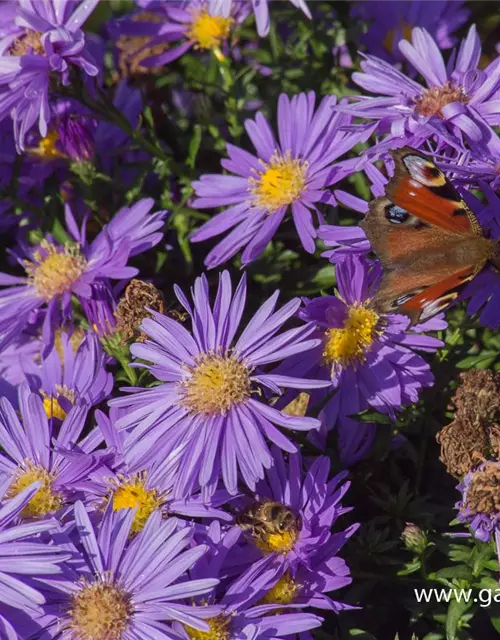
(263, 236)
(425, 56)
(262, 137)
(277, 417)
(88, 538)
(303, 223)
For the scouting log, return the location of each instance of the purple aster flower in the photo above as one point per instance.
(75, 136)
(119, 588)
(240, 613)
(99, 309)
(369, 358)
(460, 99)
(303, 551)
(75, 129)
(473, 166)
(46, 43)
(202, 25)
(344, 240)
(70, 138)
(55, 272)
(7, 631)
(23, 553)
(483, 292)
(16, 360)
(206, 410)
(70, 374)
(8, 17)
(392, 21)
(292, 173)
(125, 485)
(261, 10)
(29, 455)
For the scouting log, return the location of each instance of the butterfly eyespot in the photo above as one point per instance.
(395, 214)
(424, 171)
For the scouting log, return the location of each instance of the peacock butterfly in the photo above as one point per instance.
(428, 240)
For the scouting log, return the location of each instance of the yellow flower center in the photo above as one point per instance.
(47, 147)
(53, 272)
(51, 404)
(208, 32)
(100, 611)
(281, 182)
(349, 344)
(404, 33)
(46, 500)
(284, 591)
(131, 493)
(216, 384)
(219, 630)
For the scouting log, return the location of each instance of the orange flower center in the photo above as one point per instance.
(432, 101)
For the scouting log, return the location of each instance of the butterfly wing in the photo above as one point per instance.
(421, 294)
(419, 187)
(428, 240)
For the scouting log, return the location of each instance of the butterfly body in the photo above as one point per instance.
(427, 239)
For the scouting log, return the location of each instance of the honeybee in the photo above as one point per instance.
(264, 519)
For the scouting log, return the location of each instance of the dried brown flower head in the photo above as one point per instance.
(477, 399)
(133, 308)
(474, 434)
(483, 492)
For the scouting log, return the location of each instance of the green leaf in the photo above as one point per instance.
(194, 146)
(373, 416)
(456, 610)
(410, 567)
(60, 233)
(325, 278)
(481, 361)
(361, 635)
(459, 572)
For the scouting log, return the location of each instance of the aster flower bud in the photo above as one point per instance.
(414, 538)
